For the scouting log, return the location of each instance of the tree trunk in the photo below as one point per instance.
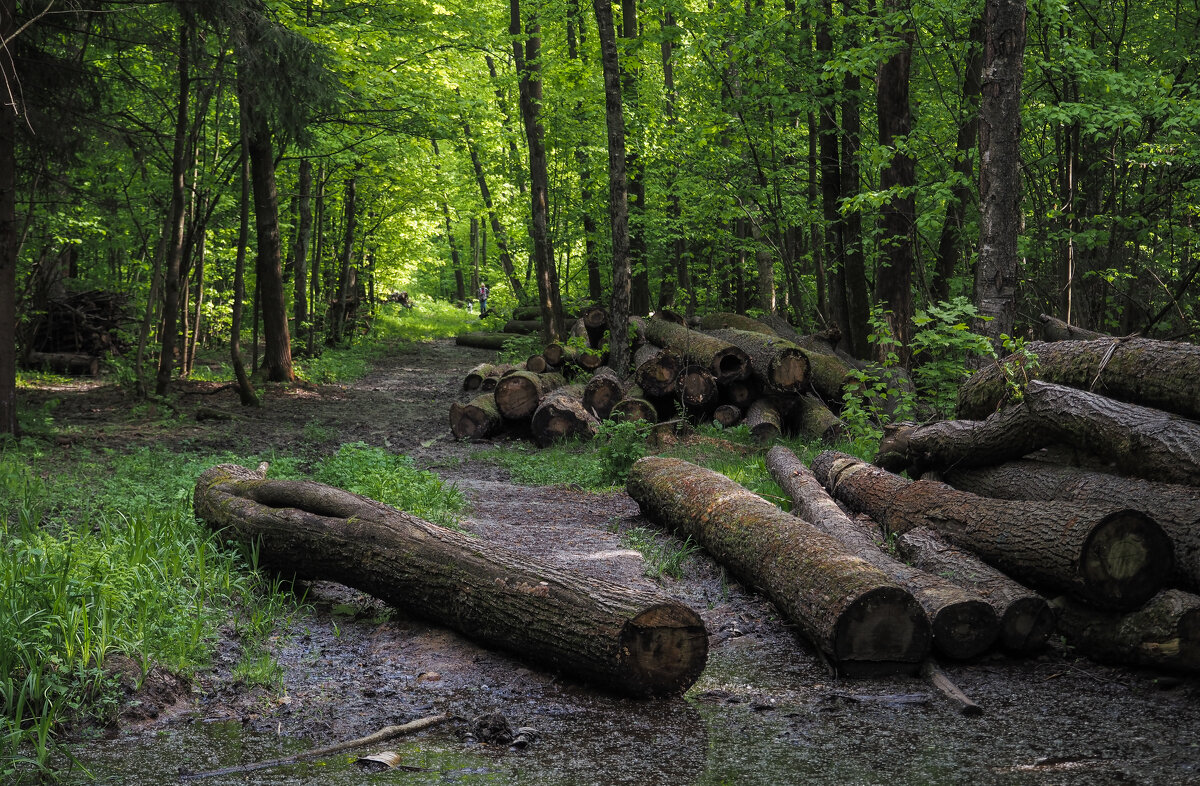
(780, 365)
(634, 407)
(1175, 508)
(963, 625)
(1160, 374)
(519, 393)
(1112, 557)
(811, 418)
(245, 387)
(485, 340)
(697, 390)
(1000, 167)
(485, 376)
(632, 641)
(303, 239)
(726, 361)
(595, 324)
(1163, 634)
(1026, 620)
(10, 239)
(477, 419)
(862, 621)
(561, 414)
(1009, 434)
(498, 232)
(337, 322)
(727, 415)
(639, 294)
(1054, 329)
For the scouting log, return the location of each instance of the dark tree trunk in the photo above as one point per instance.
(9, 236)
(656, 370)
(764, 420)
(639, 296)
(498, 232)
(303, 239)
(245, 387)
(575, 23)
(1163, 634)
(961, 621)
(893, 277)
(477, 419)
(561, 414)
(338, 314)
(633, 641)
(1113, 557)
(676, 264)
(1054, 329)
(528, 60)
(618, 199)
(1026, 620)
(1000, 165)
(176, 219)
(852, 612)
(1160, 374)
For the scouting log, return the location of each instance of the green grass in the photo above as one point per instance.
(664, 555)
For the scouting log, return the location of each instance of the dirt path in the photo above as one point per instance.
(765, 711)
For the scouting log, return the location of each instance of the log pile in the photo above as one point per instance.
(1082, 483)
(739, 370)
(70, 332)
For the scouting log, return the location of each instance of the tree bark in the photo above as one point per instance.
(780, 365)
(813, 419)
(303, 240)
(1054, 329)
(519, 393)
(560, 414)
(618, 187)
(728, 415)
(764, 420)
(634, 407)
(1175, 508)
(863, 622)
(1000, 167)
(485, 340)
(1160, 374)
(245, 388)
(631, 641)
(603, 391)
(477, 419)
(726, 361)
(963, 625)
(337, 320)
(1026, 620)
(1163, 634)
(697, 390)
(1114, 558)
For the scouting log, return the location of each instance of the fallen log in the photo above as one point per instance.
(477, 419)
(656, 370)
(561, 414)
(1159, 374)
(728, 415)
(764, 420)
(962, 623)
(1007, 434)
(634, 407)
(1176, 508)
(603, 391)
(485, 340)
(1026, 620)
(523, 326)
(518, 394)
(485, 375)
(812, 418)
(632, 641)
(740, 392)
(851, 611)
(554, 354)
(1054, 329)
(595, 323)
(724, 319)
(75, 364)
(1115, 558)
(726, 361)
(780, 365)
(1163, 634)
(537, 364)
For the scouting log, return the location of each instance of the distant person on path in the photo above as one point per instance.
(483, 296)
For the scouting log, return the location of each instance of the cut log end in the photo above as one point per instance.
(1125, 559)
(791, 371)
(665, 649)
(885, 630)
(1026, 625)
(965, 629)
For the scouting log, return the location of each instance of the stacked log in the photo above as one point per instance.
(632, 641)
(859, 618)
(519, 393)
(561, 414)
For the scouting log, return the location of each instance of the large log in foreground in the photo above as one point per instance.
(850, 610)
(632, 641)
(1115, 558)
(1163, 634)
(1176, 508)
(962, 623)
(1026, 620)
(1160, 374)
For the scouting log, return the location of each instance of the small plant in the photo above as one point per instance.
(621, 445)
(664, 556)
(518, 349)
(1019, 367)
(316, 432)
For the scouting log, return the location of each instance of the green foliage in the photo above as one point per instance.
(518, 349)
(393, 480)
(567, 463)
(664, 555)
(620, 445)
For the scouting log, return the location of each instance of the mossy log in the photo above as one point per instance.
(728, 415)
(962, 623)
(850, 610)
(725, 360)
(764, 420)
(603, 391)
(1026, 619)
(724, 319)
(1159, 374)
(561, 414)
(1176, 508)
(631, 641)
(656, 370)
(518, 394)
(477, 419)
(634, 407)
(1163, 634)
(595, 323)
(1009, 433)
(537, 364)
(780, 365)
(554, 353)
(1054, 329)
(485, 340)
(485, 376)
(77, 364)
(474, 377)
(812, 418)
(1115, 558)
(523, 326)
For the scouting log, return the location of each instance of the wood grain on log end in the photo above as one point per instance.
(964, 629)
(665, 649)
(1026, 625)
(1126, 559)
(883, 631)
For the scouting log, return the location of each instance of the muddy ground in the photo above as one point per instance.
(766, 710)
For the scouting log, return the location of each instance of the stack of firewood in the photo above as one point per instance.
(729, 368)
(70, 332)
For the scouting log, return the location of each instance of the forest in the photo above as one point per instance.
(176, 175)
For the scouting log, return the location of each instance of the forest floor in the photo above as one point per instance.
(766, 710)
